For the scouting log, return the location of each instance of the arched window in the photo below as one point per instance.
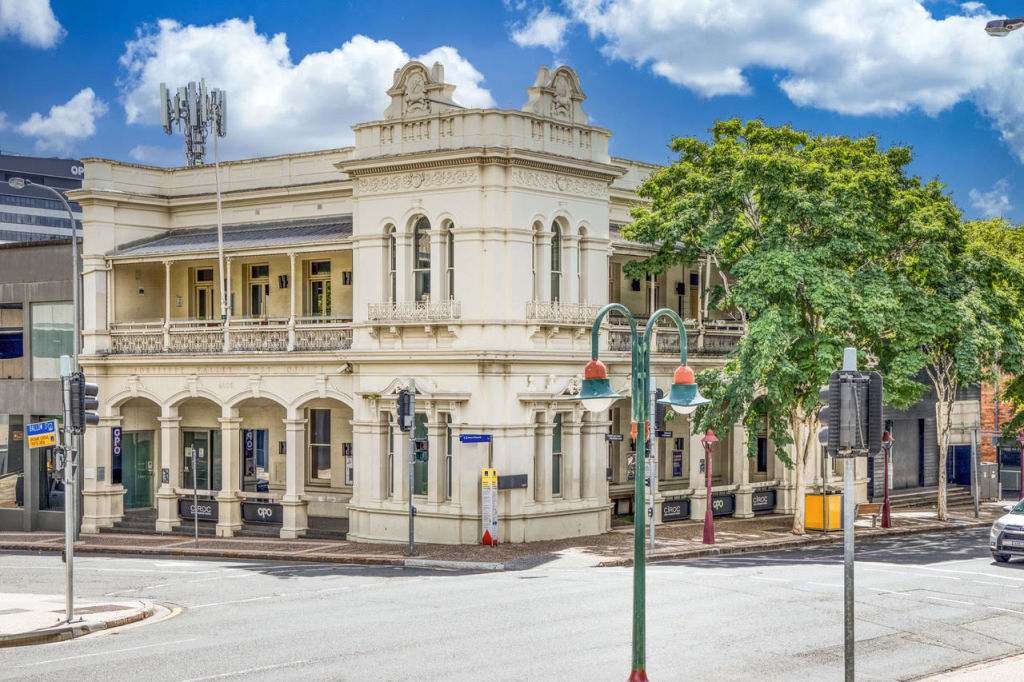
(421, 259)
(534, 256)
(556, 456)
(392, 265)
(450, 264)
(556, 262)
(581, 268)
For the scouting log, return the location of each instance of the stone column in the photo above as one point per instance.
(438, 256)
(400, 464)
(572, 466)
(167, 305)
(226, 311)
(436, 432)
(542, 460)
(543, 244)
(570, 268)
(294, 286)
(229, 518)
(296, 520)
(170, 461)
(403, 266)
(741, 473)
(698, 478)
(594, 459)
(102, 502)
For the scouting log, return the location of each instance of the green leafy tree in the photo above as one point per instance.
(804, 229)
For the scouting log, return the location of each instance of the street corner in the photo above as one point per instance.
(36, 618)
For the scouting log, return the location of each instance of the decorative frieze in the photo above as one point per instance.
(415, 180)
(557, 182)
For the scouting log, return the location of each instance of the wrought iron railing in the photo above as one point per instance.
(415, 311)
(562, 313)
(269, 335)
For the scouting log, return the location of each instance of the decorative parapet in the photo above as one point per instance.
(273, 335)
(415, 311)
(561, 313)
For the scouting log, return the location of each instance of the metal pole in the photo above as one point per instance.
(975, 490)
(69, 518)
(195, 496)
(641, 370)
(653, 474)
(848, 516)
(886, 510)
(850, 364)
(412, 464)
(709, 516)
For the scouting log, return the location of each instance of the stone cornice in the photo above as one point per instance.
(86, 195)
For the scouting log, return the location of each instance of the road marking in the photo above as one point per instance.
(107, 653)
(234, 601)
(145, 621)
(954, 601)
(774, 580)
(826, 584)
(884, 591)
(999, 608)
(249, 671)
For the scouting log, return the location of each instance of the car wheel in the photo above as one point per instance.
(1001, 558)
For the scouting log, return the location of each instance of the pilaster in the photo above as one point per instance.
(229, 501)
(296, 520)
(170, 461)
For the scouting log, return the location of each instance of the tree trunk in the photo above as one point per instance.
(941, 374)
(803, 426)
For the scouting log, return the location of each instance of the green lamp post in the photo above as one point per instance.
(597, 395)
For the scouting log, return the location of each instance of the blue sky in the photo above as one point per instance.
(80, 78)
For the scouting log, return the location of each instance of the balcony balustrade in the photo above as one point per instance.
(267, 335)
(415, 311)
(561, 313)
(714, 337)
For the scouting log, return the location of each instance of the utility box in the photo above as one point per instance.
(988, 481)
(815, 508)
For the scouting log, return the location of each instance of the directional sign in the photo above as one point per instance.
(42, 434)
(663, 434)
(475, 438)
(489, 506)
(613, 437)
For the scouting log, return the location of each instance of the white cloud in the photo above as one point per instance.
(994, 203)
(30, 21)
(274, 104)
(65, 123)
(3, 121)
(157, 156)
(882, 57)
(543, 29)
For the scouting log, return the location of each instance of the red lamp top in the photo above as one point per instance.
(709, 437)
(886, 437)
(683, 375)
(595, 369)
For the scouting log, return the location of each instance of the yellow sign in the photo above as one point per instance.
(489, 478)
(43, 434)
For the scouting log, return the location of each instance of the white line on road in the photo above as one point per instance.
(249, 671)
(234, 601)
(954, 601)
(999, 608)
(107, 653)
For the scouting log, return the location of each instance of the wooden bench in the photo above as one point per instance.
(872, 509)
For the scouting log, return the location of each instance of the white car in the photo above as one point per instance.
(1006, 538)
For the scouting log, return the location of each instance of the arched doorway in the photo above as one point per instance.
(134, 461)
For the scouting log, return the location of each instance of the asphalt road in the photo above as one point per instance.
(925, 604)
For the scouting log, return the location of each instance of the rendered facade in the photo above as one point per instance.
(468, 249)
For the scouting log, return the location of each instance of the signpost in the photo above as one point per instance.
(475, 438)
(489, 506)
(42, 434)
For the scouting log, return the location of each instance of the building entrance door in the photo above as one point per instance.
(958, 465)
(137, 469)
(207, 457)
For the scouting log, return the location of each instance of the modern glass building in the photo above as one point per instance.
(32, 214)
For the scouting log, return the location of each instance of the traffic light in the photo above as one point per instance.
(83, 401)
(405, 410)
(420, 451)
(830, 397)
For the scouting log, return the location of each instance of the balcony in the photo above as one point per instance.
(555, 312)
(415, 311)
(265, 335)
(713, 337)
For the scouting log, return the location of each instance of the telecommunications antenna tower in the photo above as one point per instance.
(198, 112)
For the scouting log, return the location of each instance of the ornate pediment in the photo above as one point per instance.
(417, 91)
(557, 95)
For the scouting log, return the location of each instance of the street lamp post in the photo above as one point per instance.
(1000, 28)
(71, 442)
(887, 441)
(1020, 442)
(597, 395)
(708, 441)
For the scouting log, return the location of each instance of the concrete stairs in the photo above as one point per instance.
(143, 521)
(956, 496)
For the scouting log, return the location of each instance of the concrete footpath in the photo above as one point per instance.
(1002, 670)
(38, 618)
(676, 540)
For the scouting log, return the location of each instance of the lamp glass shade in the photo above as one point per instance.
(684, 398)
(596, 395)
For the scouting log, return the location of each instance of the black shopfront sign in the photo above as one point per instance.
(262, 512)
(723, 505)
(675, 510)
(204, 510)
(763, 500)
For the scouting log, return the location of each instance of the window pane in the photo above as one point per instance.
(422, 285)
(321, 467)
(320, 267)
(421, 242)
(12, 460)
(320, 421)
(259, 272)
(256, 299)
(204, 275)
(556, 475)
(12, 341)
(52, 336)
(556, 434)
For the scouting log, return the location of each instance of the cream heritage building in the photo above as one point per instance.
(468, 249)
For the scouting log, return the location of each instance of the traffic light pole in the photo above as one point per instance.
(412, 465)
(69, 487)
(849, 470)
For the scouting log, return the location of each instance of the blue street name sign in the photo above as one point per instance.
(42, 434)
(475, 438)
(663, 434)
